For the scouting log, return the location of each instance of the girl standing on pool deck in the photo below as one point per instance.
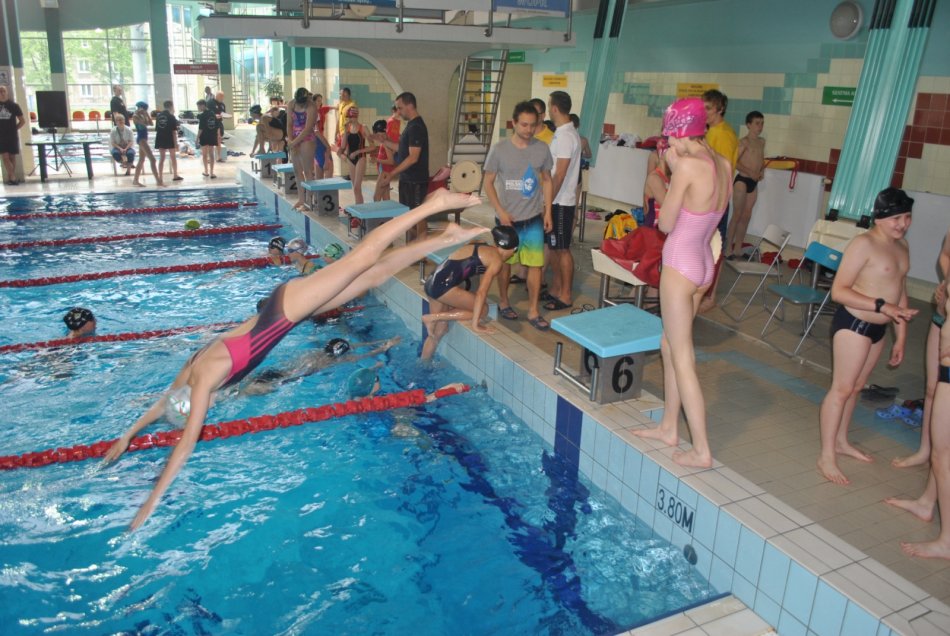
(230, 357)
(702, 181)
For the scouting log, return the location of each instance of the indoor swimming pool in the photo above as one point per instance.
(450, 517)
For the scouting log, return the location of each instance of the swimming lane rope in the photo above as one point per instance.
(248, 263)
(143, 335)
(232, 428)
(224, 205)
(205, 231)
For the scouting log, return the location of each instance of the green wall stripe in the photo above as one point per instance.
(54, 35)
(158, 30)
(224, 57)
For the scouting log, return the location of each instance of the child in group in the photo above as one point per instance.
(275, 250)
(701, 180)
(207, 138)
(80, 322)
(142, 120)
(355, 150)
(297, 253)
(230, 357)
(750, 168)
(449, 302)
(870, 288)
(937, 491)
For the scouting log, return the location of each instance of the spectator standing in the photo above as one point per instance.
(521, 167)
(166, 138)
(412, 157)
(11, 121)
(566, 156)
(207, 138)
(117, 104)
(721, 137)
(346, 103)
(123, 145)
(750, 164)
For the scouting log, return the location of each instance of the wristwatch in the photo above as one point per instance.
(879, 304)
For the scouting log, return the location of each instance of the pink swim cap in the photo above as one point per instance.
(685, 118)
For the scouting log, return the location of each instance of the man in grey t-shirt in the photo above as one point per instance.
(518, 185)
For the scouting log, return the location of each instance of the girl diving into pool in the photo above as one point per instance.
(233, 355)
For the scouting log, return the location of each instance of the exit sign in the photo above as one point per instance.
(838, 95)
(516, 57)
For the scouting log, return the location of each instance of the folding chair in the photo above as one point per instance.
(773, 235)
(820, 255)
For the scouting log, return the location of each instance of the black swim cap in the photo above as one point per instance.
(505, 237)
(255, 109)
(77, 317)
(277, 243)
(337, 347)
(379, 126)
(891, 202)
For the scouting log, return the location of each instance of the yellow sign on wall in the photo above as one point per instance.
(693, 90)
(554, 81)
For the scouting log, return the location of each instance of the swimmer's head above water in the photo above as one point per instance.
(337, 347)
(362, 383)
(298, 245)
(277, 243)
(80, 321)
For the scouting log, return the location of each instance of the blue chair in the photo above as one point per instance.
(806, 295)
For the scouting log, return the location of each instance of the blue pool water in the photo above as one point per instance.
(448, 518)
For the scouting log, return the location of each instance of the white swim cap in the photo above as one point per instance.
(178, 405)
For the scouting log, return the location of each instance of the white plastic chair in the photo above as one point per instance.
(773, 235)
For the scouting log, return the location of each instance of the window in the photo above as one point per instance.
(85, 90)
(84, 66)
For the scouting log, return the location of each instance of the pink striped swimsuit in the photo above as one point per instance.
(687, 247)
(249, 350)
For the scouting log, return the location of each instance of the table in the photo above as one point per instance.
(42, 141)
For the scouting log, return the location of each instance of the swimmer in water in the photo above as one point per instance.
(275, 250)
(80, 322)
(335, 352)
(233, 355)
(448, 301)
(297, 253)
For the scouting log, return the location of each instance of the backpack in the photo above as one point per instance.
(619, 224)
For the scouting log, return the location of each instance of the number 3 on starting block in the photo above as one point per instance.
(322, 195)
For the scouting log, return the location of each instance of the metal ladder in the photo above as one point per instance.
(479, 91)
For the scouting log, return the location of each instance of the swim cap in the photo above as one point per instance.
(379, 126)
(301, 95)
(505, 237)
(361, 383)
(352, 111)
(255, 109)
(891, 202)
(337, 347)
(297, 245)
(333, 250)
(192, 224)
(142, 105)
(277, 243)
(685, 118)
(178, 405)
(77, 317)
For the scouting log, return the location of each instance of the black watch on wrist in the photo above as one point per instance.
(879, 304)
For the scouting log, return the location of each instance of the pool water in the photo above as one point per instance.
(453, 517)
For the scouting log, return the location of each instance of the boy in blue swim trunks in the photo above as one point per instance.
(870, 288)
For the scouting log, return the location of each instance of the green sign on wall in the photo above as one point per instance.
(515, 57)
(838, 96)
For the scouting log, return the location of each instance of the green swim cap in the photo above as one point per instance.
(192, 224)
(333, 251)
(360, 384)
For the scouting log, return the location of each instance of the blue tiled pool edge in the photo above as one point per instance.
(792, 573)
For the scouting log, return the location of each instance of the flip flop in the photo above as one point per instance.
(176, 178)
(883, 391)
(539, 323)
(516, 280)
(556, 304)
(546, 295)
(894, 411)
(508, 313)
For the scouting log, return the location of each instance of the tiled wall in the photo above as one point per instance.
(797, 576)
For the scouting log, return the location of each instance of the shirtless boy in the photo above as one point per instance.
(751, 169)
(938, 486)
(870, 288)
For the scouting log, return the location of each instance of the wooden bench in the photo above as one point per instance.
(284, 177)
(322, 195)
(374, 213)
(263, 162)
(614, 342)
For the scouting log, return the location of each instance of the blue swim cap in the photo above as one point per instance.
(361, 382)
(142, 105)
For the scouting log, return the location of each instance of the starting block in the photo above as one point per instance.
(322, 195)
(284, 177)
(614, 343)
(264, 161)
(366, 213)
